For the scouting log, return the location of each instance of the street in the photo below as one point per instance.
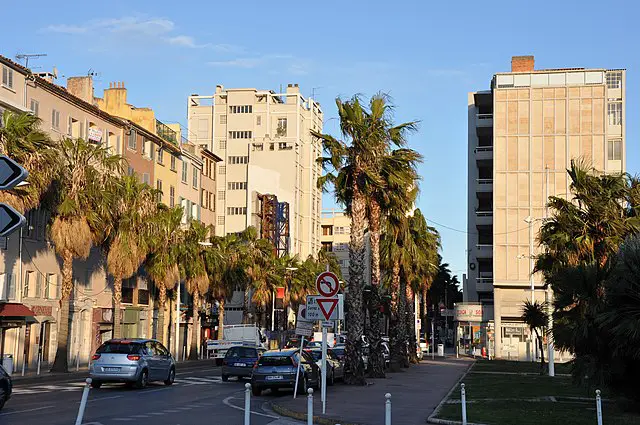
(197, 397)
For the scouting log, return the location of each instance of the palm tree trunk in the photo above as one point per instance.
(374, 334)
(397, 321)
(60, 363)
(117, 301)
(162, 300)
(245, 306)
(354, 322)
(221, 319)
(411, 326)
(541, 348)
(193, 351)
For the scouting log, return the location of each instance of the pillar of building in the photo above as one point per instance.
(497, 320)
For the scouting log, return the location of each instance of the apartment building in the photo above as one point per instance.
(264, 140)
(522, 135)
(208, 186)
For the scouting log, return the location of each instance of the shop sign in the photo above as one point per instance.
(107, 315)
(464, 312)
(42, 310)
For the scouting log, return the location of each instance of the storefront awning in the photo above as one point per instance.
(14, 315)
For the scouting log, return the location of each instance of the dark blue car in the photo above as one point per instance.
(239, 361)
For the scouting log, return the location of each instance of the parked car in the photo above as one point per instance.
(133, 362)
(335, 366)
(6, 387)
(239, 361)
(277, 369)
(424, 345)
(313, 344)
(419, 353)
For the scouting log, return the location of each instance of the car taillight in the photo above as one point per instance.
(95, 357)
(133, 357)
(255, 365)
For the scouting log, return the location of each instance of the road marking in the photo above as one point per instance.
(156, 413)
(228, 404)
(25, 411)
(103, 398)
(122, 419)
(170, 411)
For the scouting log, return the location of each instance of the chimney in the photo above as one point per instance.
(219, 88)
(522, 63)
(81, 87)
(293, 88)
(115, 97)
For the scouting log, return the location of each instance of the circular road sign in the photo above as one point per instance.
(327, 284)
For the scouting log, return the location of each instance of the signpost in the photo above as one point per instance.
(11, 175)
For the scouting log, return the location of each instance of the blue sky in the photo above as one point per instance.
(426, 55)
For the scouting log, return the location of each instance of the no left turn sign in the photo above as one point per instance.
(327, 284)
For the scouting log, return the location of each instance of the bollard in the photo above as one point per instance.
(39, 360)
(387, 409)
(599, 407)
(247, 404)
(78, 362)
(83, 401)
(310, 406)
(463, 396)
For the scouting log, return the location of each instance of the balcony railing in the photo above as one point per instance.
(485, 181)
(166, 133)
(484, 213)
(484, 280)
(484, 116)
(484, 149)
(484, 246)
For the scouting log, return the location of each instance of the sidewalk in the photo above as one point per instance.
(30, 377)
(415, 393)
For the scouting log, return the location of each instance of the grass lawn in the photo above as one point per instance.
(505, 399)
(516, 367)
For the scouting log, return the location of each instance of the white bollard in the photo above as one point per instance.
(310, 406)
(78, 362)
(599, 407)
(463, 396)
(39, 361)
(247, 404)
(83, 401)
(387, 409)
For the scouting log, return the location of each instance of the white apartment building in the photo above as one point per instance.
(264, 139)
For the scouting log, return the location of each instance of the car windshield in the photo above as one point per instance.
(275, 361)
(119, 348)
(246, 352)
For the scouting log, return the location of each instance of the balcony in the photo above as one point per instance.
(484, 218)
(484, 185)
(484, 120)
(484, 251)
(166, 133)
(484, 283)
(484, 153)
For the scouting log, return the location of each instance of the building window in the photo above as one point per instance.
(284, 146)
(144, 146)
(222, 169)
(223, 119)
(221, 220)
(258, 147)
(259, 120)
(204, 197)
(272, 146)
(327, 230)
(131, 171)
(614, 150)
(159, 187)
(35, 107)
(236, 210)
(145, 178)
(128, 286)
(173, 163)
(238, 159)
(240, 135)
(55, 119)
(221, 195)
(184, 171)
(195, 177)
(52, 282)
(132, 139)
(222, 145)
(212, 201)
(240, 109)
(161, 156)
(281, 129)
(614, 79)
(614, 109)
(7, 77)
(172, 196)
(237, 185)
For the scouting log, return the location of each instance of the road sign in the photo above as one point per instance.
(303, 326)
(11, 173)
(327, 284)
(10, 220)
(328, 324)
(328, 308)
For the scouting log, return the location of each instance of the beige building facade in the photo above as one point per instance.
(265, 143)
(523, 134)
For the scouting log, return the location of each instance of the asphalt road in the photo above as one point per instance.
(197, 397)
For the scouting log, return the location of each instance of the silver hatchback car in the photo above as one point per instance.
(132, 361)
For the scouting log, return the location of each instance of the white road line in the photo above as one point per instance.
(140, 416)
(156, 413)
(121, 419)
(170, 411)
(228, 404)
(25, 411)
(103, 398)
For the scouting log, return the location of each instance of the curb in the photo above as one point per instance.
(432, 417)
(321, 420)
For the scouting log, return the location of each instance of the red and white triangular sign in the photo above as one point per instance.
(327, 306)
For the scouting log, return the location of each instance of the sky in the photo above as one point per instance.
(426, 55)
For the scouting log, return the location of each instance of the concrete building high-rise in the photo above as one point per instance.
(522, 135)
(264, 139)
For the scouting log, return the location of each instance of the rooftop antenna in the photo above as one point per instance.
(26, 57)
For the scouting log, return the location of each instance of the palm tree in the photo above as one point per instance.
(535, 316)
(22, 140)
(85, 169)
(162, 264)
(127, 234)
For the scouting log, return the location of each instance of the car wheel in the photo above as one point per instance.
(96, 384)
(274, 390)
(256, 390)
(143, 379)
(171, 378)
(225, 378)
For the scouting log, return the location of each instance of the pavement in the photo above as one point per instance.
(415, 393)
(197, 397)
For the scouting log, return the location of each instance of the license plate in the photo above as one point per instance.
(111, 369)
(273, 377)
(240, 364)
